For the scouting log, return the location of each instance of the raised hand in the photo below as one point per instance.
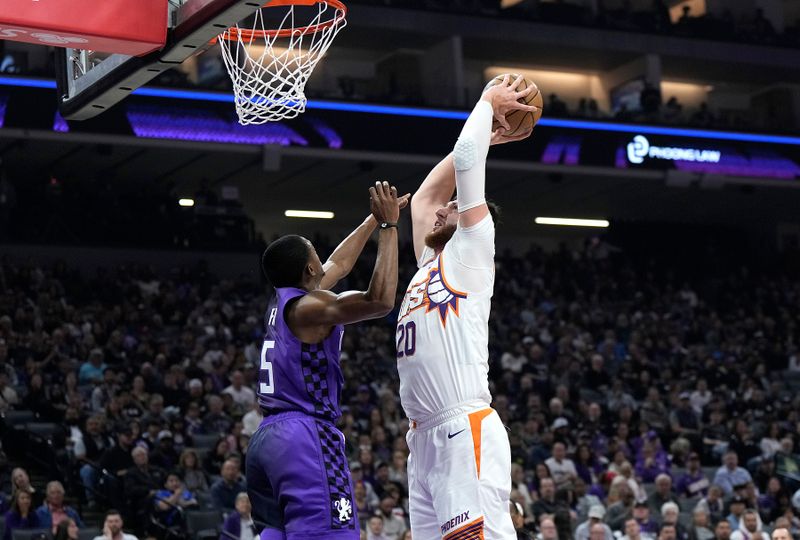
(403, 201)
(504, 98)
(383, 202)
(499, 136)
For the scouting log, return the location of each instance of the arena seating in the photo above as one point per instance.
(634, 369)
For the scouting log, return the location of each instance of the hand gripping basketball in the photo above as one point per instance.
(499, 136)
(521, 121)
(505, 99)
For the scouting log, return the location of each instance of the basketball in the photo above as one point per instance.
(520, 121)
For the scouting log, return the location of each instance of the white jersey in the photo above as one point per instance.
(442, 328)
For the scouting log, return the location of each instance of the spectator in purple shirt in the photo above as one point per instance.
(693, 482)
(21, 516)
(684, 421)
(647, 525)
(651, 461)
(586, 464)
(239, 524)
(645, 434)
(769, 503)
(621, 440)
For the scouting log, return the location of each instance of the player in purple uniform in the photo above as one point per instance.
(297, 474)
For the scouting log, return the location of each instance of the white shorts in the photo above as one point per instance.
(459, 476)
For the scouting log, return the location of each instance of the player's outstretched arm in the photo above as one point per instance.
(434, 192)
(344, 257)
(438, 187)
(472, 147)
(324, 308)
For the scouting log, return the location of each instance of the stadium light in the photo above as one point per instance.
(188, 203)
(311, 214)
(572, 222)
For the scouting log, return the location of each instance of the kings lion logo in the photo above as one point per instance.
(345, 509)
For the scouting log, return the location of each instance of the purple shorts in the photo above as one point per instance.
(299, 481)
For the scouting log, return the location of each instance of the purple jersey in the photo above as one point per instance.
(297, 376)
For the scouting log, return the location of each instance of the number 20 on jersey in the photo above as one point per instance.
(406, 339)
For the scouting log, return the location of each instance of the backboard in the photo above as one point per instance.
(90, 82)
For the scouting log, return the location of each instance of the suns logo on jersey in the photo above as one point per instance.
(433, 293)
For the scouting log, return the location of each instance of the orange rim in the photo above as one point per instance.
(233, 34)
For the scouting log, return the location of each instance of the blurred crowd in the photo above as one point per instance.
(639, 404)
(36, 209)
(648, 106)
(656, 18)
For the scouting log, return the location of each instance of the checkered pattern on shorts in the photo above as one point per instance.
(333, 457)
(314, 362)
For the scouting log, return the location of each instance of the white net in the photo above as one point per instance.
(270, 65)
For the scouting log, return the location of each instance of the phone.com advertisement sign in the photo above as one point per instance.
(641, 149)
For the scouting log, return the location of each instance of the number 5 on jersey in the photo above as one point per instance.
(267, 386)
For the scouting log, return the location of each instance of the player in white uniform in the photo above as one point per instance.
(459, 469)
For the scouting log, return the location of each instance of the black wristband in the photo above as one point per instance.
(388, 224)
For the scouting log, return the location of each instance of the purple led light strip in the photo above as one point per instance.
(3, 103)
(568, 148)
(194, 125)
(325, 131)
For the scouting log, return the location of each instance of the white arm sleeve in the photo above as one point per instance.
(469, 157)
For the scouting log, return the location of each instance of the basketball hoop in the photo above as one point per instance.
(269, 67)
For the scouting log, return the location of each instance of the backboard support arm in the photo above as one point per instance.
(87, 88)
